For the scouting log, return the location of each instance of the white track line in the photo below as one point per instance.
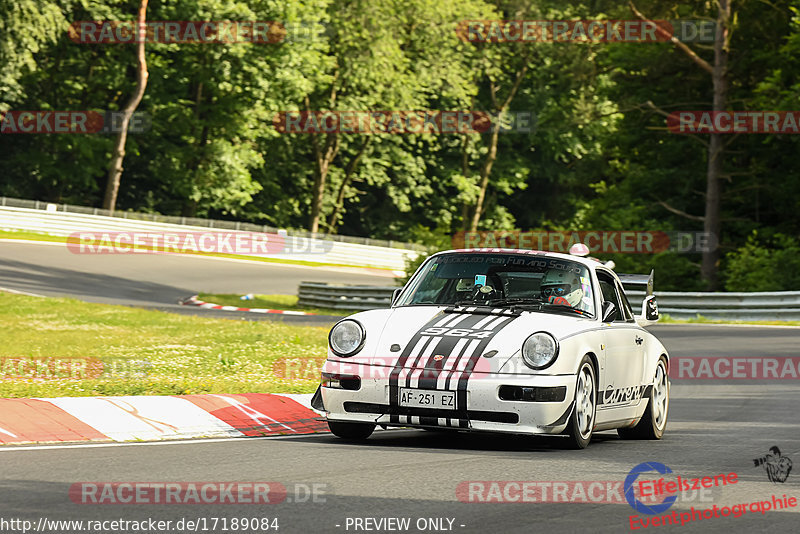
(12, 448)
(7, 290)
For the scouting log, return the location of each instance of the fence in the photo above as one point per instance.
(766, 306)
(50, 219)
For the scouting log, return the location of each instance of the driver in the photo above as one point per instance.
(561, 287)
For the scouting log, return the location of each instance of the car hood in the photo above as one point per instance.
(415, 335)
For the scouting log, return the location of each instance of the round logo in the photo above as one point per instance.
(636, 504)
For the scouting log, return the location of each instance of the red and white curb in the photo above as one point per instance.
(194, 301)
(153, 418)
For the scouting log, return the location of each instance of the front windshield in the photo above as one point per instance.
(502, 280)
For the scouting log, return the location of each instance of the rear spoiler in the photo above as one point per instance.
(638, 280)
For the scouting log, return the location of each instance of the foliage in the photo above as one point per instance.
(764, 264)
(599, 157)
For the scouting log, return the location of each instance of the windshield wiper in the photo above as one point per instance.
(463, 302)
(571, 309)
(515, 301)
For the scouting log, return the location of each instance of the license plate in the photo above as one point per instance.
(426, 398)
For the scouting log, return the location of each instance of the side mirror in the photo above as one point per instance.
(650, 309)
(609, 311)
(395, 294)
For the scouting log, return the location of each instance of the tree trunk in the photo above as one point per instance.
(465, 218)
(333, 220)
(118, 154)
(712, 224)
(485, 173)
(716, 148)
(492, 155)
(323, 160)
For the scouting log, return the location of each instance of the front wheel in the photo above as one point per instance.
(351, 430)
(654, 421)
(581, 424)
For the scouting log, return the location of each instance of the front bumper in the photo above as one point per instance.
(481, 407)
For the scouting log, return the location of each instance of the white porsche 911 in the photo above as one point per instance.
(498, 340)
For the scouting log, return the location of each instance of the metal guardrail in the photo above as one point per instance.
(342, 297)
(756, 306)
(297, 247)
(204, 223)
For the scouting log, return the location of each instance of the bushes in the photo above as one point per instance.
(764, 264)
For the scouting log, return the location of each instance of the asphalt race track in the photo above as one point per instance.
(715, 427)
(159, 281)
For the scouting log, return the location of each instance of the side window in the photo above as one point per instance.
(610, 294)
(626, 306)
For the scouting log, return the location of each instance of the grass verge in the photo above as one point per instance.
(65, 347)
(699, 319)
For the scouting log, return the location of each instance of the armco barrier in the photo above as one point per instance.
(61, 223)
(203, 223)
(760, 306)
(755, 306)
(341, 297)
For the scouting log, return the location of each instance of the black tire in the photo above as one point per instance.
(654, 421)
(356, 431)
(581, 422)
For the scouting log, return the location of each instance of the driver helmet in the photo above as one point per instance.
(559, 285)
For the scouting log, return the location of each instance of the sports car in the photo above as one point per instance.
(501, 340)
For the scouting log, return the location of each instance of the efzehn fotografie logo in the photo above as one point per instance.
(661, 487)
(649, 513)
(777, 467)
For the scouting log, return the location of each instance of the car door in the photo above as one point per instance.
(624, 348)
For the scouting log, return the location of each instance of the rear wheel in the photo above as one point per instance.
(348, 430)
(581, 423)
(654, 421)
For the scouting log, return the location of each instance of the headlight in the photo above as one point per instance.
(346, 338)
(539, 350)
